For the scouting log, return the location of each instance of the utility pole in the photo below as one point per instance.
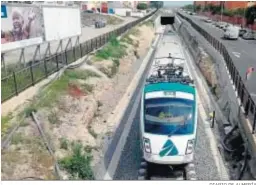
(244, 14)
(222, 3)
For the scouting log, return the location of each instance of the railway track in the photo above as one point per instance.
(150, 171)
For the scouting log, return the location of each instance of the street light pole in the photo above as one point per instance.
(221, 11)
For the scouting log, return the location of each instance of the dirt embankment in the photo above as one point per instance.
(73, 111)
(207, 68)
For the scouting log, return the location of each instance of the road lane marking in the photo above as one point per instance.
(237, 54)
(253, 94)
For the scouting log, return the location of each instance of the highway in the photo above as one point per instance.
(207, 163)
(242, 51)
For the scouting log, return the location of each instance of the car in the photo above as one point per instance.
(242, 31)
(221, 25)
(226, 26)
(208, 20)
(249, 36)
(88, 11)
(231, 32)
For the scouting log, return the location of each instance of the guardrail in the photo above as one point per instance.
(243, 94)
(18, 81)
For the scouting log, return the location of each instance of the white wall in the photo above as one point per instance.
(61, 23)
(121, 11)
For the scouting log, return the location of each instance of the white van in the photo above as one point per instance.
(232, 32)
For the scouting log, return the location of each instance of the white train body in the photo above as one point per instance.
(168, 118)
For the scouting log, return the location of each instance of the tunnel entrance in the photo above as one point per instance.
(165, 20)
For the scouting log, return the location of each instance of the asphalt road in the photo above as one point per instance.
(242, 52)
(129, 162)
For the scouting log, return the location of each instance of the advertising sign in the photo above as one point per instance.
(61, 22)
(21, 26)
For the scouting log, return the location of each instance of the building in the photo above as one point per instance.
(230, 5)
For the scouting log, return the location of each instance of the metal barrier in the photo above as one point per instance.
(243, 94)
(18, 81)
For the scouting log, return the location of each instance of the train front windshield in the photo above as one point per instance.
(165, 116)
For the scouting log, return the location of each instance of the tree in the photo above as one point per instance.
(189, 7)
(156, 4)
(239, 11)
(142, 6)
(198, 8)
(250, 15)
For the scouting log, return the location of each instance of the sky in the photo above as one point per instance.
(176, 3)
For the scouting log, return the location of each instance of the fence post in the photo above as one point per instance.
(31, 73)
(45, 68)
(74, 54)
(66, 57)
(15, 83)
(247, 106)
(81, 51)
(254, 121)
(57, 62)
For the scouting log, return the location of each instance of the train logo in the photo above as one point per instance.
(169, 149)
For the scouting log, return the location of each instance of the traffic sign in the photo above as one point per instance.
(3, 11)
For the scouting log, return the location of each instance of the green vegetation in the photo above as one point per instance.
(63, 143)
(28, 110)
(24, 78)
(53, 117)
(126, 37)
(17, 138)
(78, 164)
(156, 4)
(142, 6)
(50, 95)
(250, 15)
(189, 7)
(5, 123)
(113, 50)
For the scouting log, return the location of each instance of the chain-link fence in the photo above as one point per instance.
(243, 94)
(32, 72)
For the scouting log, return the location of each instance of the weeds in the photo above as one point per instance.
(87, 87)
(53, 117)
(149, 23)
(17, 138)
(64, 143)
(5, 123)
(112, 50)
(88, 149)
(28, 110)
(50, 95)
(78, 164)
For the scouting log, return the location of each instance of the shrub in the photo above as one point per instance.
(78, 164)
(142, 6)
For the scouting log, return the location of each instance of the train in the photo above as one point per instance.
(168, 115)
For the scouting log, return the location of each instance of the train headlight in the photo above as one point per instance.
(190, 146)
(147, 146)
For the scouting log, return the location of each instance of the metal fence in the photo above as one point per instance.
(243, 94)
(18, 81)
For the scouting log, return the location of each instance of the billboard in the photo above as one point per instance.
(21, 26)
(61, 22)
